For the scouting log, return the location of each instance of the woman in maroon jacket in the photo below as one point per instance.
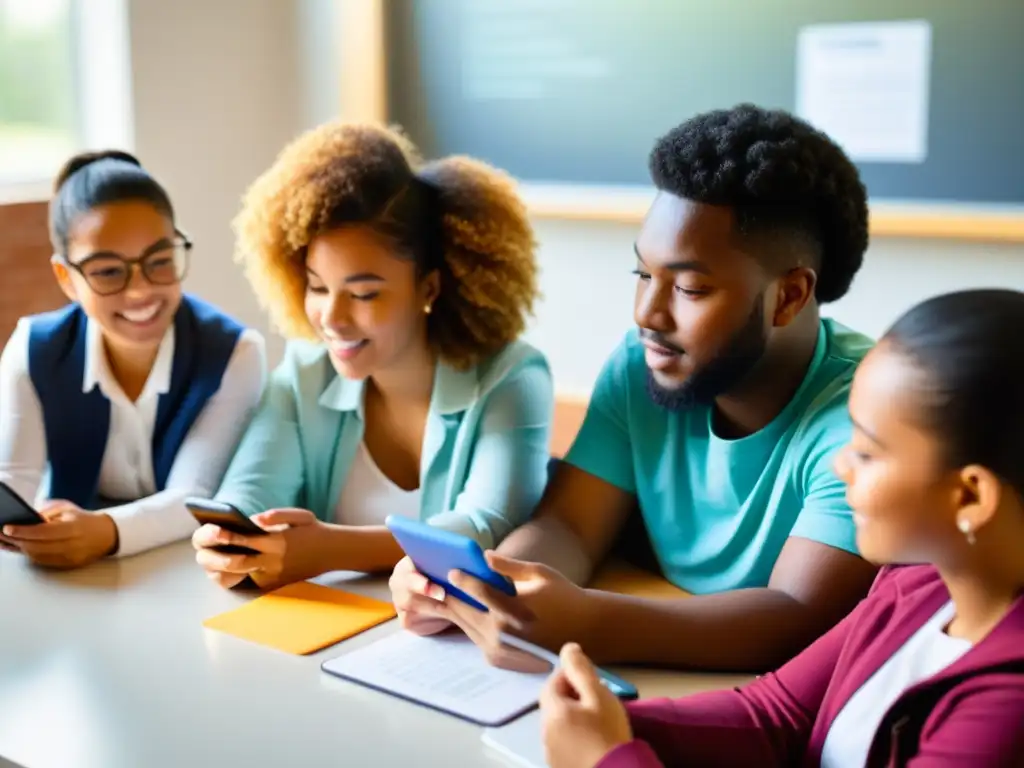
(928, 671)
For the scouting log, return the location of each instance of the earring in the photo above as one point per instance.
(965, 528)
(427, 308)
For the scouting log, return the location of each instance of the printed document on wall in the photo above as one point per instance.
(866, 85)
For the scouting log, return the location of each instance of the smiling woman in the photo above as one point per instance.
(116, 408)
(406, 390)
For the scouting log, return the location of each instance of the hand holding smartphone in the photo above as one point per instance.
(208, 511)
(436, 552)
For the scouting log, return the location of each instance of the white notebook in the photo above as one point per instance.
(447, 673)
(518, 742)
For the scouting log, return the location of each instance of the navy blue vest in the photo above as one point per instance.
(77, 423)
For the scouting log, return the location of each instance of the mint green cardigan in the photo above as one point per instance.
(485, 449)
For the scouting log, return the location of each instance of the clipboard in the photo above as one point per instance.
(446, 673)
(518, 743)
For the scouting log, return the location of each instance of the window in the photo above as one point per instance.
(37, 94)
(64, 84)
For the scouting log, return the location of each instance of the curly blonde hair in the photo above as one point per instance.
(457, 215)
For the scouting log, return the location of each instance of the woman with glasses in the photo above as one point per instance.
(118, 406)
(406, 389)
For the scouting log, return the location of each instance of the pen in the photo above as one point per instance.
(531, 648)
(614, 683)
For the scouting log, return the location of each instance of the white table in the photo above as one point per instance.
(110, 667)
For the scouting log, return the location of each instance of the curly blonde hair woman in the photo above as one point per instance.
(404, 287)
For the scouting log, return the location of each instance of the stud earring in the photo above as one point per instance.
(965, 528)
(427, 308)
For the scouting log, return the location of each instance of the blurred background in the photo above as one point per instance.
(568, 95)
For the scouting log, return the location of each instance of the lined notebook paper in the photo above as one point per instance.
(447, 673)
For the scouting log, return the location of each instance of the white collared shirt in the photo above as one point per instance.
(126, 471)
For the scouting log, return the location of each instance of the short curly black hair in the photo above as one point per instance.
(781, 177)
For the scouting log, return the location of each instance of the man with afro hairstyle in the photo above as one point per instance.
(718, 417)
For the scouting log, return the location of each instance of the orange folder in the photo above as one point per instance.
(302, 618)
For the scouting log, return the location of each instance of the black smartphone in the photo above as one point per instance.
(227, 517)
(14, 510)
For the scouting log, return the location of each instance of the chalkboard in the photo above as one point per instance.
(576, 91)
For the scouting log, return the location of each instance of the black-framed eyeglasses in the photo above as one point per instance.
(163, 263)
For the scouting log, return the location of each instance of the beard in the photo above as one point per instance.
(720, 375)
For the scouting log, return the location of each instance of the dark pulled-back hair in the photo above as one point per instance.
(782, 178)
(92, 179)
(966, 345)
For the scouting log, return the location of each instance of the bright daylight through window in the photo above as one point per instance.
(39, 119)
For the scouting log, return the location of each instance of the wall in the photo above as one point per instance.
(274, 65)
(319, 60)
(217, 89)
(588, 288)
(217, 93)
(27, 285)
(215, 100)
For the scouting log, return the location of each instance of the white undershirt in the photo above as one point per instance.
(369, 496)
(150, 519)
(929, 651)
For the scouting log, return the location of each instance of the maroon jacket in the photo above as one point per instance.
(969, 715)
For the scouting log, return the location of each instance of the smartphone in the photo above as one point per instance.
(14, 510)
(227, 517)
(435, 552)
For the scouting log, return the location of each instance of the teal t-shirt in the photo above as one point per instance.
(719, 511)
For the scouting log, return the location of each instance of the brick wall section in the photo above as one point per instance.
(26, 281)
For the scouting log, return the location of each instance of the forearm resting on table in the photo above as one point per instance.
(370, 549)
(748, 630)
(549, 541)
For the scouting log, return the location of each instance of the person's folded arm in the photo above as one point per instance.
(200, 462)
(509, 467)
(817, 579)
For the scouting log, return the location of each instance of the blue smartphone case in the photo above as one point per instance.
(623, 689)
(436, 552)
